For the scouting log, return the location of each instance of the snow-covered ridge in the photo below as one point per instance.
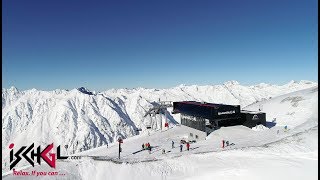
(83, 119)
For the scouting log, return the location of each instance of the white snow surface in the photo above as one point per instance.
(64, 117)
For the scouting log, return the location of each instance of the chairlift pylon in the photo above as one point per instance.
(149, 122)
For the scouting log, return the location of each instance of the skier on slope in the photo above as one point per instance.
(149, 148)
(172, 144)
(181, 147)
(222, 143)
(188, 146)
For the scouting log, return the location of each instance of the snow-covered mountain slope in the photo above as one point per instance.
(82, 119)
(273, 153)
(291, 109)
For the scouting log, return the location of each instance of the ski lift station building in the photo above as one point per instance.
(207, 117)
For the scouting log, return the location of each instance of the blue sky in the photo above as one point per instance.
(157, 44)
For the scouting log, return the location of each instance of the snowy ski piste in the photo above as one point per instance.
(257, 153)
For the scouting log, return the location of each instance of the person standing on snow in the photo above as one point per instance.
(172, 143)
(181, 147)
(163, 151)
(149, 148)
(222, 143)
(143, 146)
(188, 146)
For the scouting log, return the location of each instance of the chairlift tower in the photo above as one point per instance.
(159, 108)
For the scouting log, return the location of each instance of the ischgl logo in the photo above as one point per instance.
(49, 158)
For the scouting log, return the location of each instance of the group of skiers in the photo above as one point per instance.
(146, 147)
(181, 146)
(187, 145)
